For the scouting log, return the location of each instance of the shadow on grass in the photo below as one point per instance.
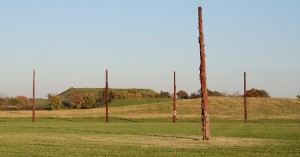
(118, 133)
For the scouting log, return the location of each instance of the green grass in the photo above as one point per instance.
(142, 127)
(142, 101)
(91, 137)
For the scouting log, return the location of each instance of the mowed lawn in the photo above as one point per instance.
(134, 131)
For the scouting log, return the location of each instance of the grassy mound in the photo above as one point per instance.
(67, 95)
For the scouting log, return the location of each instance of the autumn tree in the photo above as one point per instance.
(77, 100)
(214, 93)
(298, 96)
(113, 95)
(89, 100)
(2, 102)
(257, 93)
(163, 94)
(182, 94)
(101, 99)
(209, 92)
(12, 101)
(22, 102)
(55, 102)
(194, 95)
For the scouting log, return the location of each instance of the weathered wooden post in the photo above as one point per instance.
(204, 95)
(174, 100)
(245, 97)
(33, 98)
(106, 96)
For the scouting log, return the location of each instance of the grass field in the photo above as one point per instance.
(146, 130)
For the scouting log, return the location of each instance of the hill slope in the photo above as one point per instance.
(220, 108)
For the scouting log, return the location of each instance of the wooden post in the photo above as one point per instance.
(106, 96)
(174, 100)
(245, 97)
(204, 94)
(33, 98)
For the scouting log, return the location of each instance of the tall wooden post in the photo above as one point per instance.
(245, 97)
(33, 98)
(106, 96)
(174, 100)
(204, 94)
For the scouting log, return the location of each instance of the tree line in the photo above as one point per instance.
(87, 100)
(250, 93)
(17, 103)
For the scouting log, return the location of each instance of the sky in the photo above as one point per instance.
(70, 43)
